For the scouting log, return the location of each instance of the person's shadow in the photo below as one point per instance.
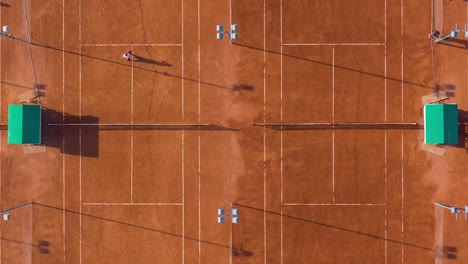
(137, 58)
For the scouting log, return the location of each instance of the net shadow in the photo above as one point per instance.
(98, 126)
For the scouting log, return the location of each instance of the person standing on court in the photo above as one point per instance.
(127, 55)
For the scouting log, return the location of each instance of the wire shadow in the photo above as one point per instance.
(134, 226)
(337, 228)
(42, 245)
(279, 127)
(36, 43)
(336, 66)
(33, 87)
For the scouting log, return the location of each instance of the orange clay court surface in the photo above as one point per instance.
(149, 194)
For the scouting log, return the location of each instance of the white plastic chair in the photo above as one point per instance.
(6, 217)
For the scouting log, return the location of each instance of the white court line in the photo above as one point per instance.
(80, 198)
(281, 25)
(402, 200)
(385, 22)
(333, 118)
(230, 244)
(264, 137)
(402, 136)
(79, 72)
(1, 49)
(385, 118)
(1, 229)
(385, 199)
(79, 37)
(1, 233)
(135, 204)
(333, 44)
(385, 84)
(63, 131)
(281, 118)
(199, 140)
(183, 141)
(131, 131)
(401, 58)
(183, 197)
(129, 44)
(331, 204)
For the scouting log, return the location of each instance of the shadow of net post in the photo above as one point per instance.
(52, 134)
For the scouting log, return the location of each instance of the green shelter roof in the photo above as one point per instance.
(441, 124)
(24, 124)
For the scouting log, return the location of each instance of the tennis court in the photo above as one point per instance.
(129, 176)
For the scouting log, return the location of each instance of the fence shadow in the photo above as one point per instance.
(337, 228)
(247, 253)
(336, 66)
(142, 59)
(42, 245)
